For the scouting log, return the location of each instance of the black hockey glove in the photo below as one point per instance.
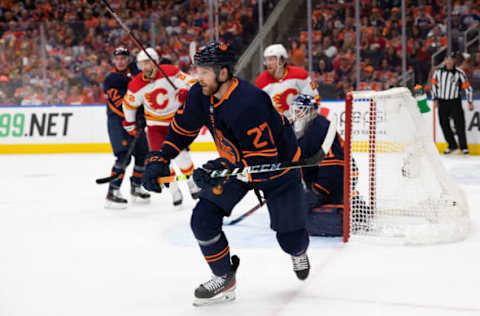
(155, 166)
(202, 178)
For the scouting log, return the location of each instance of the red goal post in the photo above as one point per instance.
(395, 186)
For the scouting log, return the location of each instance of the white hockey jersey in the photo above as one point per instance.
(159, 98)
(284, 91)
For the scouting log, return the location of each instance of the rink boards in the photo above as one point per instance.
(83, 128)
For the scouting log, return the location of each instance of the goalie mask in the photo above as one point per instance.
(302, 111)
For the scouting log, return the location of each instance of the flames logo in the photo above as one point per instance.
(153, 101)
(280, 99)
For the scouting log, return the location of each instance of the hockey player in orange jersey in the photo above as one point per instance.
(283, 82)
(160, 100)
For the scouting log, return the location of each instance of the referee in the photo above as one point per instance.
(446, 85)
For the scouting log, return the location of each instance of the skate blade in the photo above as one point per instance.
(223, 297)
(177, 204)
(139, 200)
(115, 206)
(196, 195)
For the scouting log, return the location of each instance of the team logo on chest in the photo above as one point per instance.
(280, 100)
(156, 99)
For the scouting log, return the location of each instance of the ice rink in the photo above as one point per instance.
(62, 253)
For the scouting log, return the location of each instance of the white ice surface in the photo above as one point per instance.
(62, 253)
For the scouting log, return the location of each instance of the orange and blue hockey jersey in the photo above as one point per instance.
(115, 87)
(244, 124)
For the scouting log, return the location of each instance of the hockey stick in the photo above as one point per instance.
(124, 165)
(308, 162)
(192, 49)
(326, 145)
(135, 40)
(246, 214)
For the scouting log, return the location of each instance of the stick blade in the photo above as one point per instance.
(105, 180)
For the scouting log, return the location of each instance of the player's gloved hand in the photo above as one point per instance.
(156, 166)
(130, 127)
(182, 95)
(202, 178)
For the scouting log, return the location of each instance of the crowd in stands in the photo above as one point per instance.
(79, 40)
(380, 42)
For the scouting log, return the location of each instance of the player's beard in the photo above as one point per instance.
(209, 90)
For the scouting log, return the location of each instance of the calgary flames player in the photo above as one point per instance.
(283, 82)
(160, 101)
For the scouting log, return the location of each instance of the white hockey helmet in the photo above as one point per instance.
(152, 52)
(277, 50)
(303, 110)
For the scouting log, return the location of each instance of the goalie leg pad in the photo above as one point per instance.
(326, 221)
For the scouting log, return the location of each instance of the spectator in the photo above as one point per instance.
(330, 50)
(323, 76)
(75, 32)
(75, 95)
(423, 20)
(297, 54)
(476, 67)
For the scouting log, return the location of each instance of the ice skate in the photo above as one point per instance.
(139, 194)
(301, 266)
(115, 200)
(219, 289)
(193, 188)
(449, 151)
(177, 197)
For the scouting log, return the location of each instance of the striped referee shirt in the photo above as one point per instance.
(446, 84)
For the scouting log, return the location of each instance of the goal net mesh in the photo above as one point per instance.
(396, 188)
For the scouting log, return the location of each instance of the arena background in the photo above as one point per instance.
(55, 55)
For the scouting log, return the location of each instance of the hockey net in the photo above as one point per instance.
(396, 188)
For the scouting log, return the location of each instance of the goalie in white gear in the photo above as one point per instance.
(161, 101)
(284, 82)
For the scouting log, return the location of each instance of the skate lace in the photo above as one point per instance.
(300, 262)
(215, 283)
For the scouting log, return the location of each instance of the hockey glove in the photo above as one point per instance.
(155, 166)
(130, 127)
(182, 95)
(202, 178)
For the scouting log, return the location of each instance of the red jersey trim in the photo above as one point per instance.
(291, 72)
(139, 81)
